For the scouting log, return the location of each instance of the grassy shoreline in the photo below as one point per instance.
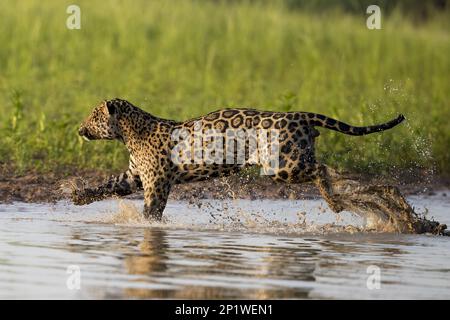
(185, 59)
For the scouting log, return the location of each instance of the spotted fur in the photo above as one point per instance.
(148, 140)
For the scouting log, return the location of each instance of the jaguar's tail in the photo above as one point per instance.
(320, 120)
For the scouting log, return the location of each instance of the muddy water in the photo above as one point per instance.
(235, 249)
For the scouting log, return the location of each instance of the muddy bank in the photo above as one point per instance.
(51, 187)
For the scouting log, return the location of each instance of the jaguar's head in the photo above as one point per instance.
(102, 123)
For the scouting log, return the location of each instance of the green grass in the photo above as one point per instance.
(180, 59)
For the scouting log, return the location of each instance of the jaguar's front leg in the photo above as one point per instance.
(126, 183)
(156, 192)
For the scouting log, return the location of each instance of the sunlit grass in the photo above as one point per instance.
(180, 59)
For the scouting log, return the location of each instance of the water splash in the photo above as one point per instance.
(238, 216)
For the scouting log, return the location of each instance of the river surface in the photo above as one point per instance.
(236, 249)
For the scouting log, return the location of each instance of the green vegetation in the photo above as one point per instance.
(180, 59)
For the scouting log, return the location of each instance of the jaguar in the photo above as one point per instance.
(159, 159)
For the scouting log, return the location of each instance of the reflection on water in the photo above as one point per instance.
(39, 242)
(234, 268)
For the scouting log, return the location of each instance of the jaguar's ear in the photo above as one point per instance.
(110, 107)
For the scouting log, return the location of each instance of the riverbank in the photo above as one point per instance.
(54, 186)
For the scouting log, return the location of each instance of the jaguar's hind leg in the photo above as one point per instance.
(323, 178)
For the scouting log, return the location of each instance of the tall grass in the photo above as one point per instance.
(180, 59)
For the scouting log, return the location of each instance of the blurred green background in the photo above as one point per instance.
(180, 59)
